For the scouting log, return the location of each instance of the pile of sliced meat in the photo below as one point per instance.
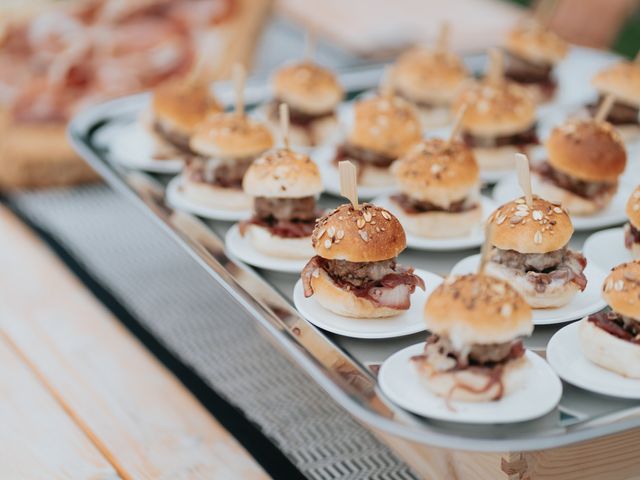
(412, 206)
(589, 190)
(522, 71)
(284, 217)
(619, 114)
(224, 173)
(522, 139)
(362, 156)
(617, 325)
(631, 236)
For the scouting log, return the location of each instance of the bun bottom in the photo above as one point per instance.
(448, 384)
(216, 197)
(433, 117)
(265, 242)
(371, 176)
(608, 351)
(498, 158)
(629, 133)
(555, 295)
(575, 204)
(342, 302)
(439, 224)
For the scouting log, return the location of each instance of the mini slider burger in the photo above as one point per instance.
(611, 338)
(355, 271)
(632, 229)
(313, 94)
(475, 351)
(532, 53)
(530, 252)
(384, 128)
(585, 159)
(283, 185)
(440, 189)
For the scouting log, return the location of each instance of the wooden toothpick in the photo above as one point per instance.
(386, 84)
(495, 73)
(605, 107)
(444, 37)
(238, 75)
(457, 123)
(349, 182)
(310, 44)
(485, 250)
(284, 124)
(524, 177)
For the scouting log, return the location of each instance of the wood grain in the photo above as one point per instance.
(136, 413)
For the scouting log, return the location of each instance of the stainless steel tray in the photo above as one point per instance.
(340, 365)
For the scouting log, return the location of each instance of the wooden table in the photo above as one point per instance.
(80, 397)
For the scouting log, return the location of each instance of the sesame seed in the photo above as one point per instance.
(521, 213)
(360, 223)
(501, 218)
(537, 215)
(316, 273)
(618, 285)
(340, 234)
(331, 232)
(506, 309)
(364, 235)
(557, 210)
(386, 215)
(327, 243)
(537, 238)
(367, 216)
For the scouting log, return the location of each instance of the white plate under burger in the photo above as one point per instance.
(475, 238)
(406, 323)
(177, 199)
(132, 146)
(401, 382)
(583, 303)
(606, 248)
(241, 247)
(508, 189)
(564, 353)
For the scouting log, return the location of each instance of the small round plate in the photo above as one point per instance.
(132, 146)
(508, 189)
(583, 303)
(606, 249)
(401, 382)
(564, 353)
(474, 239)
(407, 323)
(177, 200)
(241, 248)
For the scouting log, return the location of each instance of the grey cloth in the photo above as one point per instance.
(187, 311)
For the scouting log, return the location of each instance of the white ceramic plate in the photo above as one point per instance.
(606, 249)
(241, 248)
(474, 239)
(564, 353)
(132, 146)
(407, 323)
(583, 303)
(508, 189)
(401, 382)
(176, 199)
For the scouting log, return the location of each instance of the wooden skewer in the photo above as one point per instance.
(444, 37)
(284, 124)
(238, 75)
(485, 250)
(349, 182)
(310, 44)
(496, 68)
(604, 109)
(524, 177)
(386, 88)
(457, 123)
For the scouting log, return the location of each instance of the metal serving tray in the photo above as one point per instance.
(342, 366)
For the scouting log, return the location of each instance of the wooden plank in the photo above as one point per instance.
(140, 417)
(38, 439)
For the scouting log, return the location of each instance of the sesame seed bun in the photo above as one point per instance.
(181, 105)
(496, 110)
(282, 173)
(575, 204)
(265, 242)
(587, 150)
(369, 234)
(437, 171)
(609, 351)
(231, 135)
(477, 309)
(542, 228)
(385, 124)
(622, 80)
(633, 208)
(307, 87)
(425, 75)
(536, 44)
(621, 289)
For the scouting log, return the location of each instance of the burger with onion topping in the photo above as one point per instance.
(611, 338)
(632, 229)
(440, 189)
(475, 351)
(530, 251)
(585, 159)
(284, 185)
(355, 272)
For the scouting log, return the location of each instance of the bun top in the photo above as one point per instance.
(370, 234)
(231, 135)
(477, 309)
(633, 208)
(385, 124)
(622, 80)
(500, 109)
(181, 104)
(282, 173)
(543, 228)
(587, 150)
(621, 289)
(536, 44)
(308, 87)
(437, 171)
(425, 75)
